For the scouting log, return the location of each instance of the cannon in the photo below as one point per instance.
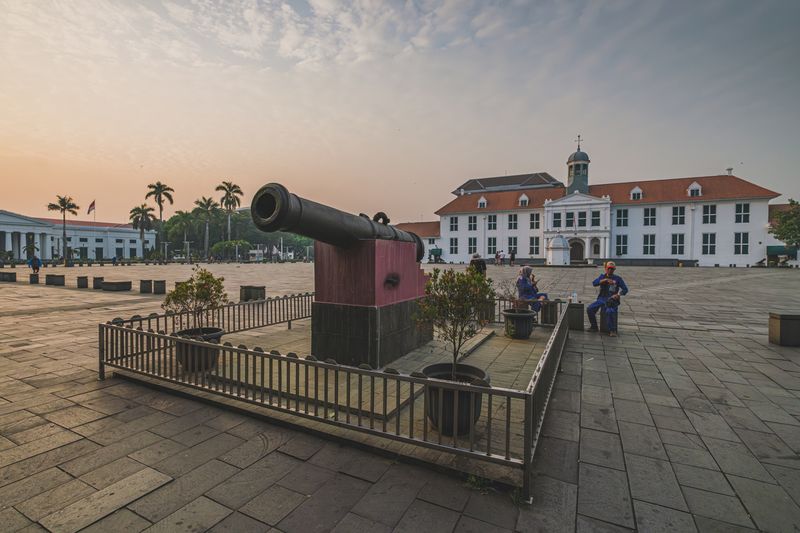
(367, 278)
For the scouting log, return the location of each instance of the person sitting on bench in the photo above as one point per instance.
(527, 289)
(611, 288)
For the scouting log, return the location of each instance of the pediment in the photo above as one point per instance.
(579, 198)
(7, 218)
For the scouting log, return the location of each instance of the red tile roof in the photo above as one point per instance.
(501, 201)
(422, 229)
(671, 190)
(91, 223)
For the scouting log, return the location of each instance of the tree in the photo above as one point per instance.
(230, 199)
(160, 192)
(455, 303)
(786, 226)
(30, 249)
(142, 218)
(225, 247)
(206, 209)
(65, 205)
(180, 223)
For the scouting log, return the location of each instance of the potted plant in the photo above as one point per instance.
(519, 318)
(195, 296)
(455, 304)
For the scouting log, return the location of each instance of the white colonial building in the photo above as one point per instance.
(427, 231)
(707, 220)
(86, 239)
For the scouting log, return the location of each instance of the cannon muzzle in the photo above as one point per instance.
(274, 208)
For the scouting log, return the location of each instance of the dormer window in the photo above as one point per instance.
(694, 190)
(636, 193)
(523, 201)
(482, 203)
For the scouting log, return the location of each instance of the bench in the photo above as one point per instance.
(33, 279)
(97, 282)
(146, 286)
(159, 286)
(83, 282)
(117, 286)
(8, 276)
(784, 329)
(252, 292)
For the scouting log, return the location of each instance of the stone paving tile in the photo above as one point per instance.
(601, 448)
(468, 524)
(604, 494)
(558, 459)
(769, 505)
(198, 515)
(352, 523)
(654, 481)
(702, 478)
(553, 508)
(54, 499)
(326, 507)
(441, 491)
(387, 500)
(190, 458)
(101, 503)
(239, 523)
(494, 508)
(717, 506)
(272, 505)
(121, 520)
(243, 486)
(641, 440)
(656, 518)
(423, 515)
(590, 525)
(112, 472)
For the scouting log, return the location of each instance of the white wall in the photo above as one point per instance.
(501, 234)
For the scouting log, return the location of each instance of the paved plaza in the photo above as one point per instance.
(688, 421)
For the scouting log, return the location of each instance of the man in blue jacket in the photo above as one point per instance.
(611, 288)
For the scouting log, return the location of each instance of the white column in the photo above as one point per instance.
(8, 241)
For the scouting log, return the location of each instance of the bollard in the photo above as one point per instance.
(83, 282)
(784, 329)
(34, 279)
(117, 285)
(8, 276)
(146, 286)
(159, 286)
(54, 279)
(252, 292)
(550, 312)
(97, 282)
(575, 314)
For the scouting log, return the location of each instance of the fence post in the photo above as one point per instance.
(101, 368)
(527, 462)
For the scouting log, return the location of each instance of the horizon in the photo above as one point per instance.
(386, 106)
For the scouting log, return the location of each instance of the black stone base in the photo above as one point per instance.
(359, 334)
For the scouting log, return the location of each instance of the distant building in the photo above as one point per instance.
(86, 239)
(427, 231)
(706, 220)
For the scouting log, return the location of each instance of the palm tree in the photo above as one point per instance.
(182, 221)
(206, 208)
(230, 199)
(142, 218)
(160, 192)
(65, 205)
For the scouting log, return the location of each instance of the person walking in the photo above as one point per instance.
(497, 258)
(612, 287)
(36, 264)
(511, 256)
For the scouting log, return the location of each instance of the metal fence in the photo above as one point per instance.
(383, 403)
(232, 317)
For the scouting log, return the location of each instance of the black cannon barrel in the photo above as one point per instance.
(274, 208)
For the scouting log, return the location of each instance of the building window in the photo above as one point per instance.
(695, 192)
(69, 239)
(431, 242)
(677, 244)
(534, 246)
(491, 246)
(741, 243)
(636, 196)
(649, 246)
(622, 218)
(582, 219)
(512, 245)
(710, 215)
(534, 220)
(472, 245)
(556, 220)
(570, 220)
(678, 215)
(512, 221)
(492, 222)
(622, 245)
(84, 239)
(742, 213)
(119, 241)
(98, 240)
(649, 216)
(453, 245)
(595, 218)
(133, 241)
(523, 201)
(481, 204)
(709, 243)
(472, 223)
(453, 223)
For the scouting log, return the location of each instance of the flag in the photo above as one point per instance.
(91, 208)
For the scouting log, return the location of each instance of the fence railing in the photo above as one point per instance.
(500, 425)
(232, 317)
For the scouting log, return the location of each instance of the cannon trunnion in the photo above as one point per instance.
(367, 278)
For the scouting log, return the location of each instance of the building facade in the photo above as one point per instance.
(706, 220)
(85, 239)
(427, 231)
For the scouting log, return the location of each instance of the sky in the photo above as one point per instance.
(387, 106)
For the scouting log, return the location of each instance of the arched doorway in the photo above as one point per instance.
(576, 251)
(595, 243)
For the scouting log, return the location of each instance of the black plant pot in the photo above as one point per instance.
(519, 323)
(193, 358)
(466, 419)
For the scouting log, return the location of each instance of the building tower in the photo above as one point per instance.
(578, 171)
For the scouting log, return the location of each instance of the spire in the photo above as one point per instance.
(578, 140)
